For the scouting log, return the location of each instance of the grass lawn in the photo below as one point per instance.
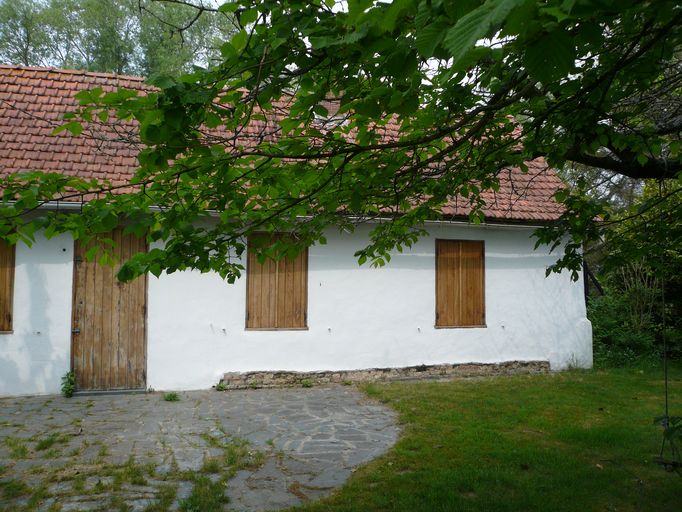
(581, 440)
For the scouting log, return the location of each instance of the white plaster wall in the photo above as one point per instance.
(358, 317)
(36, 355)
(362, 317)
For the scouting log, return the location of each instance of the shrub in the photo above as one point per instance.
(627, 321)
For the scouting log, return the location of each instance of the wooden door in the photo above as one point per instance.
(108, 341)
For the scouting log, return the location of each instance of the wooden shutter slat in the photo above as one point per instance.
(90, 309)
(106, 342)
(270, 310)
(137, 315)
(121, 345)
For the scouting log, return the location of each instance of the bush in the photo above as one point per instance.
(627, 322)
(615, 337)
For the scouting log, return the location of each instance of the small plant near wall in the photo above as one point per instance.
(68, 384)
(307, 383)
(171, 397)
(220, 387)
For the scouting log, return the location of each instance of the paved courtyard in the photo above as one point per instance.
(237, 450)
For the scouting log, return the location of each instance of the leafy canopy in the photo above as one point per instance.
(289, 128)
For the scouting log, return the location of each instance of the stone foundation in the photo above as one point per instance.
(283, 379)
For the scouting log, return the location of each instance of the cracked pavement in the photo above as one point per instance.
(93, 452)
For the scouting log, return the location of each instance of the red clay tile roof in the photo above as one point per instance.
(34, 100)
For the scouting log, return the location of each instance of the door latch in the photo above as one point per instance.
(75, 330)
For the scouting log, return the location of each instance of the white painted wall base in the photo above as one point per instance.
(358, 317)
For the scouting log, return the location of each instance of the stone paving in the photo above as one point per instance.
(262, 449)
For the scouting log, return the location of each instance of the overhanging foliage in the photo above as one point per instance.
(474, 87)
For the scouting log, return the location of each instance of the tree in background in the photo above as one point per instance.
(140, 37)
(639, 260)
(22, 36)
(172, 37)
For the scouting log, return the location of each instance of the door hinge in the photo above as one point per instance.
(77, 259)
(75, 330)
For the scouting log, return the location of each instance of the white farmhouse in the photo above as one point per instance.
(466, 298)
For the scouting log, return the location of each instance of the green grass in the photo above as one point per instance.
(50, 440)
(212, 465)
(574, 441)
(207, 496)
(164, 499)
(171, 397)
(13, 488)
(17, 447)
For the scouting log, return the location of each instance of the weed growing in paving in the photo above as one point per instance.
(237, 453)
(306, 383)
(118, 504)
(78, 484)
(13, 489)
(164, 499)
(212, 465)
(171, 397)
(132, 473)
(36, 498)
(17, 447)
(206, 495)
(103, 452)
(51, 440)
(68, 384)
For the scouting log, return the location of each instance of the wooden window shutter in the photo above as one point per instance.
(276, 292)
(6, 285)
(460, 283)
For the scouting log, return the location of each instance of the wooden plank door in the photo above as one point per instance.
(108, 341)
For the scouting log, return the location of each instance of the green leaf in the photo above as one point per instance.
(396, 9)
(229, 7)
(228, 51)
(429, 38)
(556, 12)
(476, 25)
(238, 41)
(162, 81)
(248, 16)
(551, 58)
(356, 9)
(74, 127)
